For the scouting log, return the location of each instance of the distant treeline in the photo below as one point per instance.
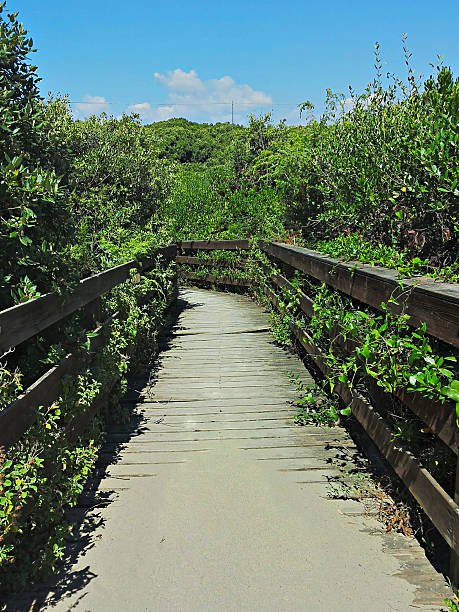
(185, 141)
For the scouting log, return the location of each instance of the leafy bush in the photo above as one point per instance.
(206, 204)
(382, 164)
(34, 213)
(75, 197)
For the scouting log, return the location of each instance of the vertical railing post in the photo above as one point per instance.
(175, 278)
(92, 314)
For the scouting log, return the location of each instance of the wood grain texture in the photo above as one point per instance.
(306, 304)
(435, 304)
(21, 414)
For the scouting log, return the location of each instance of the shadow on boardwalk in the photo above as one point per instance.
(86, 518)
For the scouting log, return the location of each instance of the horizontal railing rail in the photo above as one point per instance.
(218, 263)
(214, 280)
(424, 300)
(234, 269)
(213, 245)
(21, 414)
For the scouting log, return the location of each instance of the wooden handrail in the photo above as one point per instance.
(23, 321)
(215, 280)
(424, 300)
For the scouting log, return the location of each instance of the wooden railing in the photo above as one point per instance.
(194, 246)
(425, 301)
(23, 321)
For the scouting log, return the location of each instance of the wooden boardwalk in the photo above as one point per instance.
(213, 499)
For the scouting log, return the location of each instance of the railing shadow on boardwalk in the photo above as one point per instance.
(84, 518)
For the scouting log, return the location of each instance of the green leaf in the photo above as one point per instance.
(452, 391)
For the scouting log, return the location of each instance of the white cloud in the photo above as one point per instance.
(91, 105)
(189, 96)
(180, 81)
(350, 103)
(150, 114)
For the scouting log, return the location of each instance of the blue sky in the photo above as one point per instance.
(195, 57)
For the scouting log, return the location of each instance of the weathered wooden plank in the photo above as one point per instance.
(306, 304)
(21, 322)
(440, 418)
(213, 245)
(435, 304)
(436, 503)
(21, 414)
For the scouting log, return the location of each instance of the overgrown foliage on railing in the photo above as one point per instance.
(215, 263)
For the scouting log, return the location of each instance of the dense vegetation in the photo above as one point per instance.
(187, 142)
(375, 179)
